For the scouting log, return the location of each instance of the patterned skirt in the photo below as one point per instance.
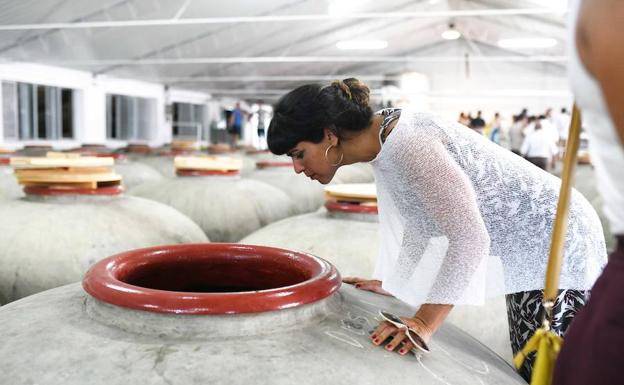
(525, 314)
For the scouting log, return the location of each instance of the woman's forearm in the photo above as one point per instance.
(430, 317)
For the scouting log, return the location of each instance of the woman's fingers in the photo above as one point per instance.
(383, 331)
(396, 341)
(352, 280)
(406, 348)
(374, 286)
(399, 341)
(368, 285)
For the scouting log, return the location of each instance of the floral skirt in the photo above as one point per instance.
(525, 314)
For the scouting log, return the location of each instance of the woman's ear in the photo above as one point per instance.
(331, 137)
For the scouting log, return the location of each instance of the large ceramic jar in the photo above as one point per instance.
(211, 192)
(354, 173)
(222, 314)
(57, 231)
(345, 232)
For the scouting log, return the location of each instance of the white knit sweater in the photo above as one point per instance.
(462, 219)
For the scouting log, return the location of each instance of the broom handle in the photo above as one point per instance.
(561, 220)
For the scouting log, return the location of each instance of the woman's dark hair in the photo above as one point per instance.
(303, 113)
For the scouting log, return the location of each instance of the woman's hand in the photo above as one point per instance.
(425, 323)
(399, 341)
(373, 285)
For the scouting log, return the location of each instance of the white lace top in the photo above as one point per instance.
(462, 219)
(605, 147)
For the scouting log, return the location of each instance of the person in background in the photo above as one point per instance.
(516, 133)
(478, 123)
(548, 125)
(538, 147)
(262, 117)
(495, 129)
(235, 124)
(592, 351)
(562, 124)
(464, 119)
(523, 113)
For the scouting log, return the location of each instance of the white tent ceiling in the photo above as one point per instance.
(261, 48)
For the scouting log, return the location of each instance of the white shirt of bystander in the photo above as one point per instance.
(539, 144)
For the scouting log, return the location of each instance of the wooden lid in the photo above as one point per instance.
(207, 163)
(138, 148)
(220, 148)
(184, 145)
(70, 173)
(352, 192)
(352, 198)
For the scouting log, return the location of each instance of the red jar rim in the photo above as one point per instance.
(5, 161)
(257, 152)
(350, 208)
(113, 280)
(182, 172)
(55, 191)
(271, 164)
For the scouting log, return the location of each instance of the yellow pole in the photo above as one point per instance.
(559, 229)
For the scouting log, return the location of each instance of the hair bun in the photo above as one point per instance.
(358, 91)
(342, 87)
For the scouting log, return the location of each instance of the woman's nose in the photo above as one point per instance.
(298, 166)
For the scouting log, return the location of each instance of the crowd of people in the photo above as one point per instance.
(540, 138)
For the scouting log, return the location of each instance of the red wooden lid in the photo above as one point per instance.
(354, 208)
(51, 190)
(271, 164)
(183, 172)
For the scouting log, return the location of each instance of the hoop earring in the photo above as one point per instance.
(327, 157)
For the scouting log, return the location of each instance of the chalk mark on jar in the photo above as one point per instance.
(345, 338)
(485, 370)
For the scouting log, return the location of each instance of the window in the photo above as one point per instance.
(129, 117)
(36, 112)
(189, 121)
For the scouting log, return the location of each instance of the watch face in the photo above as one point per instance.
(391, 317)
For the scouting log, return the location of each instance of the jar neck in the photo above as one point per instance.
(210, 326)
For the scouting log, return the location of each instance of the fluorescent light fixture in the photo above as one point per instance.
(451, 33)
(527, 43)
(362, 44)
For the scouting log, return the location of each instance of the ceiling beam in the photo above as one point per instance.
(282, 18)
(269, 78)
(308, 59)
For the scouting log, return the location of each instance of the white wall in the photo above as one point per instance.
(49, 76)
(109, 85)
(90, 101)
